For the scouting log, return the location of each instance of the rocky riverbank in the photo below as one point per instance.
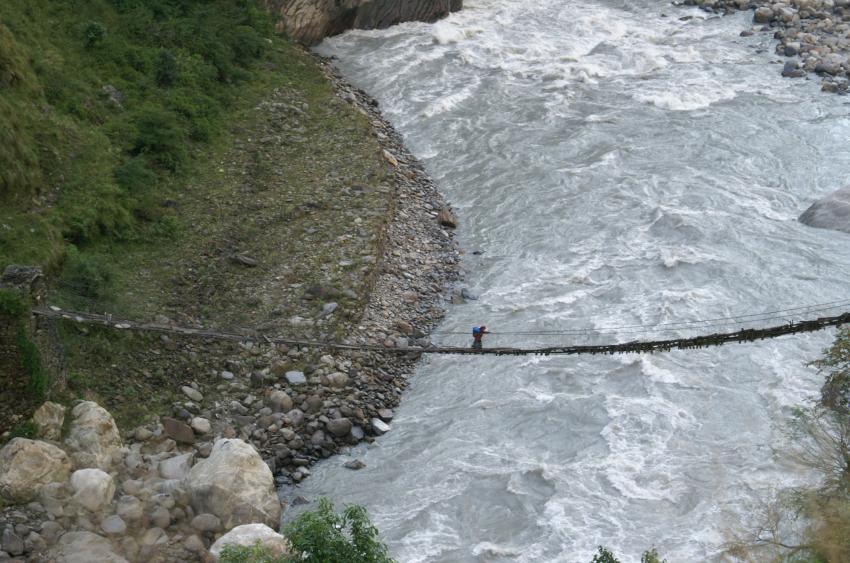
(140, 495)
(814, 34)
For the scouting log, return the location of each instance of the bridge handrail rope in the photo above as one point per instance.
(679, 325)
(717, 339)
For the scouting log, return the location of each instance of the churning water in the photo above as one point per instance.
(617, 167)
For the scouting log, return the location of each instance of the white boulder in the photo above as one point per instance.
(86, 547)
(248, 535)
(93, 488)
(93, 437)
(235, 484)
(27, 465)
(48, 419)
(176, 467)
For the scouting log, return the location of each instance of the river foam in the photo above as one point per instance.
(616, 168)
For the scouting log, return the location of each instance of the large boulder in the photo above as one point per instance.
(93, 488)
(93, 436)
(86, 547)
(831, 212)
(309, 21)
(248, 535)
(27, 465)
(234, 484)
(48, 420)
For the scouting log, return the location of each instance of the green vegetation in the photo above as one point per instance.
(322, 536)
(605, 555)
(813, 525)
(15, 309)
(105, 106)
(26, 429)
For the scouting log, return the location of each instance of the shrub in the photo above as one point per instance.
(93, 34)
(135, 175)
(26, 429)
(249, 554)
(166, 68)
(323, 536)
(87, 275)
(604, 555)
(11, 304)
(160, 137)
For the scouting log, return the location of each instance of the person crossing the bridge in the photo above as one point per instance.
(478, 333)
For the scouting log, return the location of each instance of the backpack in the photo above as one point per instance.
(476, 330)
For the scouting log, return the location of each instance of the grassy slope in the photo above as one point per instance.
(103, 107)
(138, 208)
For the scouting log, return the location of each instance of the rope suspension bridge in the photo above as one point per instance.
(840, 310)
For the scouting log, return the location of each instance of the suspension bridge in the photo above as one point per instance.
(792, 324)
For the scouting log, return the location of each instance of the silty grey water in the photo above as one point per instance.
(617, 167)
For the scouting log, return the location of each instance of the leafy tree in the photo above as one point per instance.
(604, 555)
(323, 536)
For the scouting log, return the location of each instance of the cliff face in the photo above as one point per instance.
(310, 21)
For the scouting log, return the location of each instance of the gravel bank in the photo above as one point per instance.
(813, 34)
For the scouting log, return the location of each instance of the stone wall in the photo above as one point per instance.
(310, 21)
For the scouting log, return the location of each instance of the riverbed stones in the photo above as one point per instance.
(192, 393)
(339, 427)
(201, 425)
(27, 465)
(48, 420)
(178, 431)
(113, 526)
(176, 467)
(93, 437)
(234, 484)
(379, 427)
(87, 547)
(206, 522)
(295, 377)
(248, 535)
(279, 401)
(93, 488)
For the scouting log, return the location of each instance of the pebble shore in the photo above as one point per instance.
(136, 496)
(813, 34)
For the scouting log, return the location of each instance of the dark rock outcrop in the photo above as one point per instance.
(831, 212)
(310, 21)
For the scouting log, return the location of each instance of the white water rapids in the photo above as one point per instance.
(617, 167)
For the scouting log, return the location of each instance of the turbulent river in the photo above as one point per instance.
(618, 163)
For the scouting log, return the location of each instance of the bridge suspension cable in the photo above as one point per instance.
(635, 346)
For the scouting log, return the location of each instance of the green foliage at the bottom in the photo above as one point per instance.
(39, 381)
(321, 536)
(26, 429)
(256, 553)
(604, 555)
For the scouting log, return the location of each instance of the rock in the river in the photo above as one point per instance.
(93, 437)
(93, 488)
(248, 535)
(831, 212)
(235, 484)
(48, 421)
(379, 426)
(447, 219)
(27, 465)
